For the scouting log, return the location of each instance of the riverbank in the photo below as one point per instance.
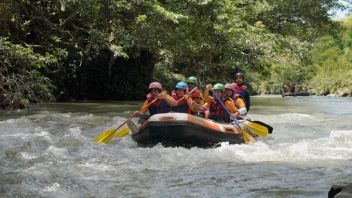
(343, 92)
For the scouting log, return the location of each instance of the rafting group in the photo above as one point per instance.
(189, 117)
(187, 98)
(291, 90)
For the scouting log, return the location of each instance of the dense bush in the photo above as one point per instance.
(112, 49)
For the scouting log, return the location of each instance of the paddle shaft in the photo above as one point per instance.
(177, 101)
(131, 116)
(225, 108)
(155, 99)
(246, 136)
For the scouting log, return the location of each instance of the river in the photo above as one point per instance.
(48, 151)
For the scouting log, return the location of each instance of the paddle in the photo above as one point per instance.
(122, 132)
(257, 127)
(188, 93)
(107, 135)
(262, 124)
(133, 127)
(246, 137)
(261, 128)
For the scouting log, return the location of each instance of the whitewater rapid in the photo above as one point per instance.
(52, 153)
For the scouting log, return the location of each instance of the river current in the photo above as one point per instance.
(49, 151)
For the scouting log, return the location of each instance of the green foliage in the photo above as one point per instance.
(331, 59)
(20, 80)
(112, 49)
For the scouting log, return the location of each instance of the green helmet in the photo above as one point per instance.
(219, 86)
(192, 80)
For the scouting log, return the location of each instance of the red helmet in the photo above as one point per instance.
(155, 85)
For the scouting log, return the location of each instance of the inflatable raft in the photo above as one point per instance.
(181, 129)
(296, 94)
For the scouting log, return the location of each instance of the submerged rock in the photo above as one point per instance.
(340, 191)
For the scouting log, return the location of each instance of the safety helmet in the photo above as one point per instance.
(239, 74)
(181, 85)
(219, 86)
(155, 85)
(192, 80)
(229, 86)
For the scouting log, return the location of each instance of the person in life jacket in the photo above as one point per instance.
(293, 88)
(285, 89)
(217, 112)
(184, 101)
(163, 103)
(196, 95)
(237, 98)
(241, 89)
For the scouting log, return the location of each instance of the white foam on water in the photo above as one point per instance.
(252, 152)
(65, 115)
(337, 146)
(28, 156)
(74, 131)
(97, 167)
(341, 138)
(39, 132)
(285, 118)
(55, 190)
(27, 134)
(22, 120)
(9, 121)
(55, 187)
(58, 152)
(86, 116)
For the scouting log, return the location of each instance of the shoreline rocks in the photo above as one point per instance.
(343, 92)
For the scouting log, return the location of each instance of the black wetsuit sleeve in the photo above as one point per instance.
(248, 101)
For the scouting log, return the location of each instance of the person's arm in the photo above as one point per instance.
(232, 108)
(202, 99)
(206, 91)
(247, 101)
(242, 106)
(208, 102)
(189, 102)
(170, 100)
(143, 109)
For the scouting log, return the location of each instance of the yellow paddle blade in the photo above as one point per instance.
(122, 133)
(257, 129)
(105, 136)
(247, 137)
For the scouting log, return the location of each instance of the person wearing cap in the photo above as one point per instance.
(241, 89)
(184, 101)
(217, 111)
(237, 99)
(163, 103)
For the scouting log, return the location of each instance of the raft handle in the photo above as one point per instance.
(167, 118)
(228, 129)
